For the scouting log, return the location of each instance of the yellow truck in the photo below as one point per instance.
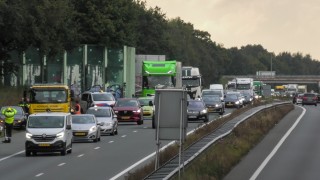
(49, 97)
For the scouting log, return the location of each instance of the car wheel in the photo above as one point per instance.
(96, 139)
(112, 133)
(34, 153)
(140, 122)
(28, 153)
(70, 148)
(116, 132)
(64, 150)
(206, 119)
(221, 113)
(153, 123)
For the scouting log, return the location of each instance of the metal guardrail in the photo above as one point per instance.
(172, 167)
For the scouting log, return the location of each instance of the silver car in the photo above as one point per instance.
(85, 127)
(107, 118)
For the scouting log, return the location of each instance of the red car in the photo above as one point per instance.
(128, 110)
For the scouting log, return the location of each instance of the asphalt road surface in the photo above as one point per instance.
(111, 158)
(290, 151)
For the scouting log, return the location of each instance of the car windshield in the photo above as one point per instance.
(103, 97)
(145, 102)
(211, 93)
(195, 104)
(211, 98)
(82, 120)
(46, 121)
(126, 103)
(99, 112)
(231, 97)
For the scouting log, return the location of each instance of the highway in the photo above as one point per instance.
(110, 158)
(289, 151)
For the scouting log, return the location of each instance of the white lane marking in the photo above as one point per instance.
(137, 163)
(275, 149)
(40, 174)
(135, 131)
(124, 136)
(97, 148)
(61, 164)
(7, 157)
(153, 154)
(111, 141)
(81, 155)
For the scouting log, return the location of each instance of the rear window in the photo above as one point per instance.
(309, 95)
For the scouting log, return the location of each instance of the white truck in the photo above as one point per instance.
(291, 89)
(302, 88)
(192, 80)
(245, 85)
(218, 87)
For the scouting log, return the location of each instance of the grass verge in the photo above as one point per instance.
(258, 126)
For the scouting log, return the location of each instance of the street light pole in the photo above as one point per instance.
(271, 62)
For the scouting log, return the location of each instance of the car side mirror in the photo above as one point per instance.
(68, 126)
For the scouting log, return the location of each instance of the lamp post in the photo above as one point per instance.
(271, 63)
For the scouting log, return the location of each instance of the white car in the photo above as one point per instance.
(85, 127)
(107, 119)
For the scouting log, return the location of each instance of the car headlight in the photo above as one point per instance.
(218, 105)
(28, 135)
(204, 111)
(93, 129)
(109, 124)
(60, 134)
(137, 111)
(116, 112)
(237, 102)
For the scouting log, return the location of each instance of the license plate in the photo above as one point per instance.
(125, 117)
(44, 145)
(80, 134)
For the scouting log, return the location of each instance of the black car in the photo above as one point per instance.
(309, 98)
(232, 100)
(213, 103)
(197, 110)
(20, 118)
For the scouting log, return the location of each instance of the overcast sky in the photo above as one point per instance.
(278, 25)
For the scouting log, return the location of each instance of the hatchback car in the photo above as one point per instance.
(310, 98)
(20, 118)
(107, 119)
(232, 100)
(214, 104)
(85, 127)
(128, 110)
(197, 110)
(147, 106)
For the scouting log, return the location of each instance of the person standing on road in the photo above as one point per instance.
(24, 103)
(8, 121)
(77, 108)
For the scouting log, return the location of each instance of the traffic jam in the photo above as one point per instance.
(54, 117)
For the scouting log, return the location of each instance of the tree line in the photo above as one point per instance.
(57, 25)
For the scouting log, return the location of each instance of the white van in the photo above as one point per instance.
(48, 132)
(91, 99)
